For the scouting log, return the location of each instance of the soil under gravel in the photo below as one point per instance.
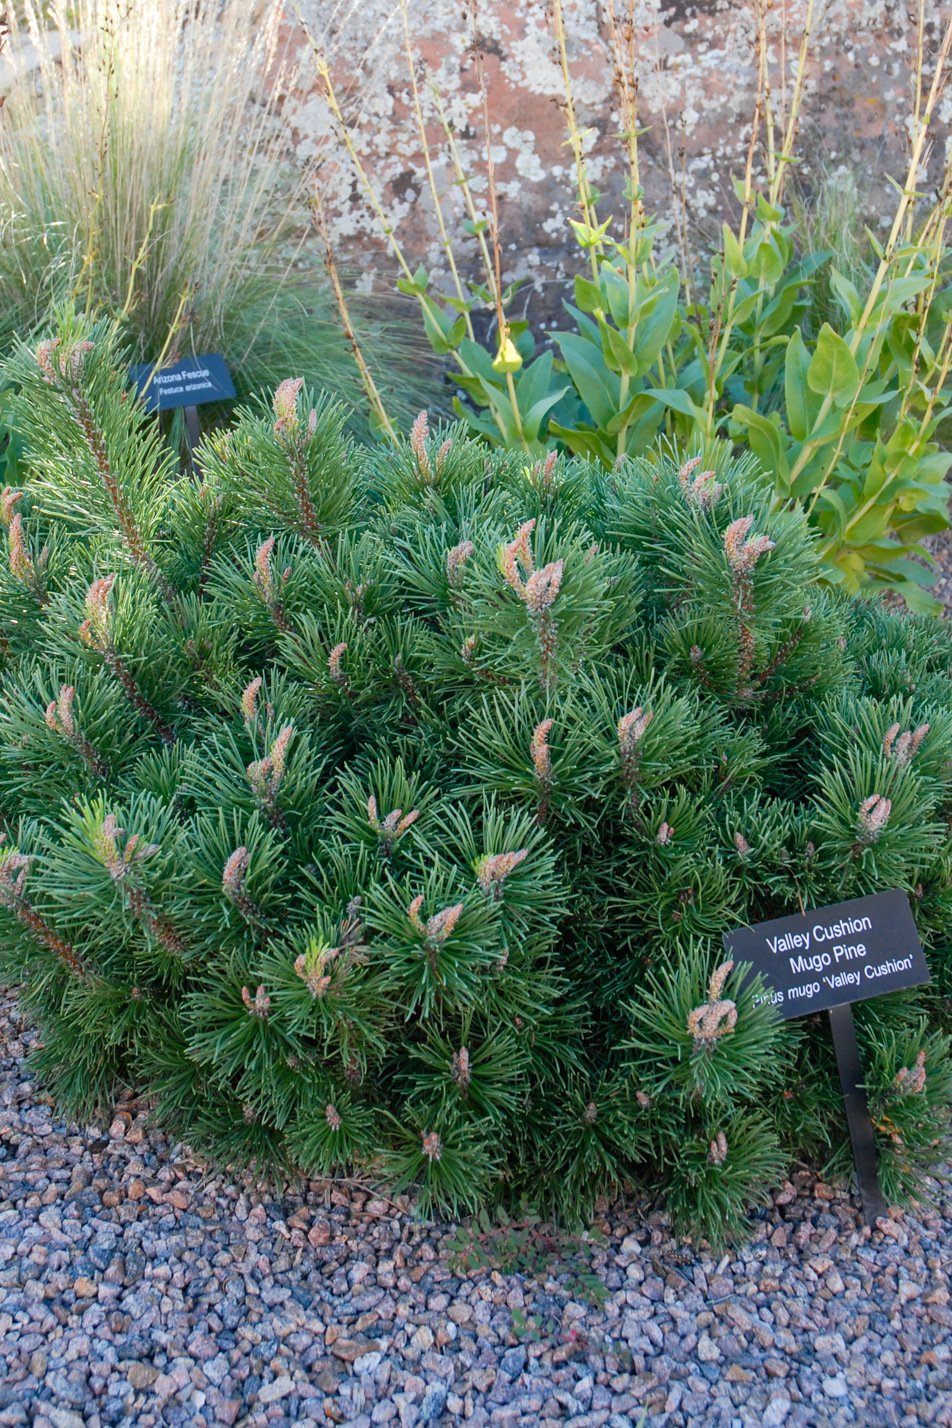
(132, 1292)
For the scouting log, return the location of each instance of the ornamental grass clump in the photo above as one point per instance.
(380, 813)
(147, 176)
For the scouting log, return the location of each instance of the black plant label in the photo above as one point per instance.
(189, 383)
(828, 957)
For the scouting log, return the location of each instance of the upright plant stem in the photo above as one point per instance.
(464, 185)
(445, 239)
(904, 210)
(347, 326)
(494, 219)
(586, 201)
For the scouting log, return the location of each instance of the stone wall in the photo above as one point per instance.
(696, 71)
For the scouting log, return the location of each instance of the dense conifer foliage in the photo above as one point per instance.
(382, 812)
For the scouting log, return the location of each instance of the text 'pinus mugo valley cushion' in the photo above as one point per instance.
(382, 811)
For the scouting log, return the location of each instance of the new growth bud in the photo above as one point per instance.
(334, 667)
(701, 490)
(912, 1081)
(233, 877)
(120, 854)
(8, 502)
(392, 827)
(59, 713)
(269, 586)
(873, 816)
(543, 586)
(249, 700)
(717, 1151)
(57, 362)
(461, 1067)
(516, 558)
(432, 1145)
(267, 775)
(540, 751)
(285, 407)
(903, 749)
(743, 552)
(540, 473)
(259, 1006)
(21, 563)
(96, 629)
(61, 719)
(632, 728)
(540, 587)
(439, 927)
(455, 560)
(493, 870)
(418, 435)
(715, 1017)
(312, 967)
(14, 868)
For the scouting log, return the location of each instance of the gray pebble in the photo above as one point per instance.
(336, 1307)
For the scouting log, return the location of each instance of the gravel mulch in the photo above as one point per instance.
(132, 1291)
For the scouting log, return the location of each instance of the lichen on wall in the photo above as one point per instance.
(697, 71)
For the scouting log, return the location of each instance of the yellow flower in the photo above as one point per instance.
(507, 359)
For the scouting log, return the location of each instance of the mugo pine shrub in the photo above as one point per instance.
(382, 812)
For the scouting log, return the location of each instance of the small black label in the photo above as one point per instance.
(188, 383)
(844, 953)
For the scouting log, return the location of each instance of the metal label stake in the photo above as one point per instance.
(194, 431)
(857, 1111)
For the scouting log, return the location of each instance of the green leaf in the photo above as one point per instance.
(900, 291)
(618, 355)
(767, 262)
(535, 380)
(765, 442)
(795, 387)
(409, 288)
(587, 236)
(535, 395)
(768, 212)
(870, 525)
(638, 404)
(734, 260)
(443, 332)
(780, 309)
(746, 306)
(677, 400)
(656, 326)
(595, 384)
(832, 370)
(848, 297)
(533, 418)
(588, 295)
(876, 475)
(583, 441)
(476, 360)
(616, 294)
